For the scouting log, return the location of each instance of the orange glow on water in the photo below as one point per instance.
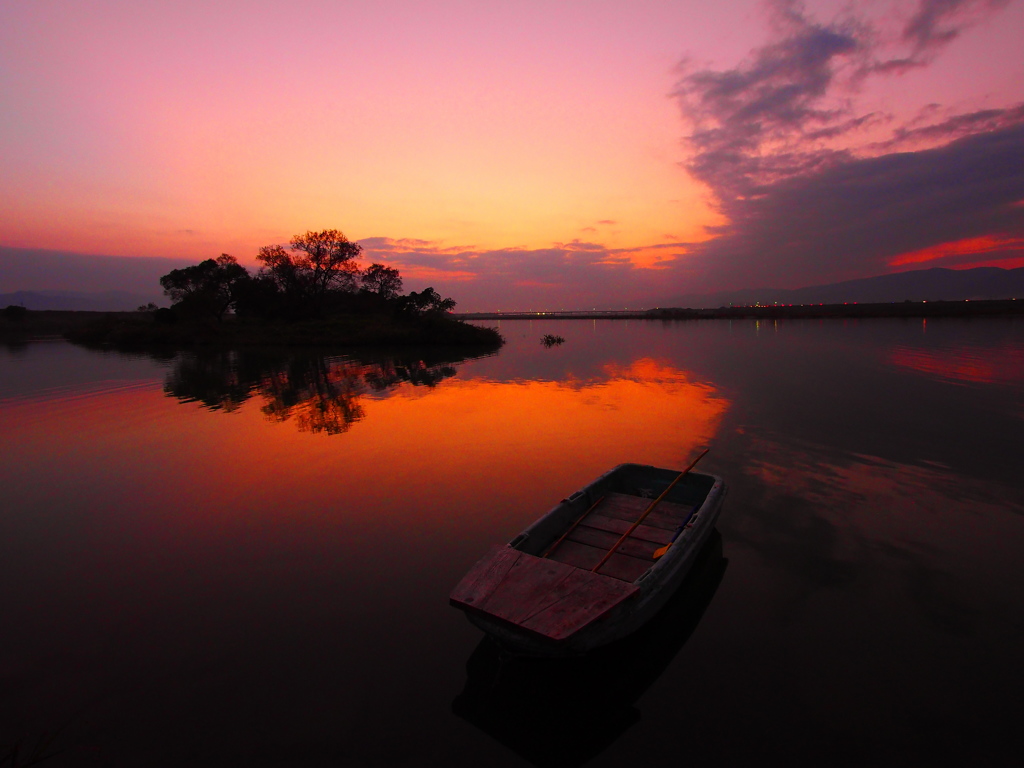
(489, 445)
(486, 432)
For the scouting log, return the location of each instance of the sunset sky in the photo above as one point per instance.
(522, 155)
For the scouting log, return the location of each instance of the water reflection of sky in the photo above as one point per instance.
(174, 525)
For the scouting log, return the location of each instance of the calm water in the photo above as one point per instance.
(245, 559)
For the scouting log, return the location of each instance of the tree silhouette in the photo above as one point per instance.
(382, 280)
(426, 302)
(15, 313)
(209, 287)
(315, 264)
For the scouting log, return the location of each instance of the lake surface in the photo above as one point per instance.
(245, 559)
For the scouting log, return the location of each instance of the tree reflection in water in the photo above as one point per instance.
(213, 379)
(320, 392)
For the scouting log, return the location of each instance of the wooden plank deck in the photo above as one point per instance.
(622, 567)
(548, 597)
(618, 527)
(604, 525)
(666, 515)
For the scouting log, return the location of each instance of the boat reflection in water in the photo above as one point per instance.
(564, 712)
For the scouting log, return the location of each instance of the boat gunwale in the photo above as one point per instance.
(584, 497)
(655, 585)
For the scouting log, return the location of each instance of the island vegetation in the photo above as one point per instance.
(551, 340)
(312, 293)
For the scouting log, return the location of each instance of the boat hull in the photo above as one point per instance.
(654, 586)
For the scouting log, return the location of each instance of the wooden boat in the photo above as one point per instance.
(585, 574)
(567, 711)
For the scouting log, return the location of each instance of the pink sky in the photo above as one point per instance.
(519, 155)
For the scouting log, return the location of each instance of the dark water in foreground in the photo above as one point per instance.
(245, 559)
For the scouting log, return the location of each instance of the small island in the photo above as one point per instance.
(310, 293)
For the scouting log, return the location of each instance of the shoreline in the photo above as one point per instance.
(37, 325)
(140, 330)
(908, 309)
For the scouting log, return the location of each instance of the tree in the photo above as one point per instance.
(15, 313)
(382, 280)
(260, 298)
(209, 287)
(426, 302)
(318, 263)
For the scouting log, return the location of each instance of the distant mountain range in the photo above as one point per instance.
(42, 279)
(919, 285)
(96, 301)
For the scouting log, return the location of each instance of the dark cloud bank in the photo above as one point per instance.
(33, 269)
(42, 279)
(810, 192)
(852, 218)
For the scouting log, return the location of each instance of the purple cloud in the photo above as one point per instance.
(853, 218)
(807, 196)
(574, 274)
(938, 22)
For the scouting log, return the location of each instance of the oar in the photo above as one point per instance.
(572, 527)
(647, 511)
(662, 551)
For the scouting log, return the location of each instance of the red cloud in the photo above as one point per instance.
(971, 246)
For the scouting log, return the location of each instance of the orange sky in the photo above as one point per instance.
(188, 130)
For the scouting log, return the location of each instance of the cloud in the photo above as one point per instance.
(750, 124)
(855, 218)
(570, 275)
(938, 22)
(815, 190)
(914, 135)
(953, 252)
(34, 269)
